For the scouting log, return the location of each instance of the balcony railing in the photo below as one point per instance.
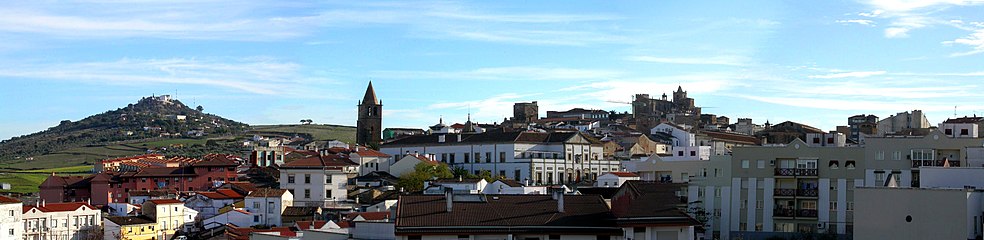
(795, 172)
(784, 212)
(806, 192)
(934, 163)
(806, 172)
(785, 172)
(785, 192)
(809, 213)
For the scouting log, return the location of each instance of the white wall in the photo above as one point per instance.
(939, 177)
(373, 230)
(318, 186)
(11, 220)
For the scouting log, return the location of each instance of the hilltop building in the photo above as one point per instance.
(649, 112)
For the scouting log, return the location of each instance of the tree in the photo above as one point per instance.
(200, 108)
(414, 181)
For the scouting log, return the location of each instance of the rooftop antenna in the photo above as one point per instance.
(954, 111)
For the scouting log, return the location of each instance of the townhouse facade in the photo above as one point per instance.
(543, 158)
(61, 221)
(266, 205)
(11, 222)
(318, 181)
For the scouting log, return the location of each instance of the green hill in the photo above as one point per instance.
(107, 134)
(313, 131)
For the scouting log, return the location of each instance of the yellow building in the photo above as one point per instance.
(130, 228)
(169, 214)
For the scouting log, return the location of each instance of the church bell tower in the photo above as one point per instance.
(370, 123)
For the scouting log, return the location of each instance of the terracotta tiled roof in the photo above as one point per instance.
(733, 137)
(624, 174)
(326, 161)
(365, 152)
(300, 211)
(267, 192)
(60, 207)
(639, 203)
(5, 199)
(165, 201)
(301, 225)
(532, 214)
(217, 160)
(222, 194)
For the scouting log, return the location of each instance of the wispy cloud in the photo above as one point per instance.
(848, 75)
(905, 16)
(504, 73)
(258, 75)
(729, 60)
(865, 22)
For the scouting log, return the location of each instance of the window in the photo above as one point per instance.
(290, 178)
(923, 154)
(502, 158)
(271, 207)
(693, 153)
(833, 206)
(833, 164)
(256, 205)
(328, 194)
(502, 173)
(809, 205)
(850, 206)
(488, 157)
(466, 158)
(742, 226)
(744, 204)
(880, 156)
(744, 183)
(897, 155)
(478, 157)
(256, 218)
(685, 177)
(760, 163)
(760, 184)
(11, 232)
(758, 227)
(517, 174)
(11, 213)
(307, 178)
(451, 156)
(679, 153)
(307, 193)
(759, 204)
(327, 179)
(744, 163)
(948, 131)
(849, 164)
(879, 178)
(717, 192)
(964, 132)
(816, 140)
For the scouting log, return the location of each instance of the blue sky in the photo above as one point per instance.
(264, 62)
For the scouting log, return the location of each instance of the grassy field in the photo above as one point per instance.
(317, 131)
(77, 157)
(27, 181)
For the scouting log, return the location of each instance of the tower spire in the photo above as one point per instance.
(370, 97)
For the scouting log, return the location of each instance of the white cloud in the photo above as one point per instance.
(504, 73)
(729, 60)
(911, 5)
(848, 75)
(258, 75)
(974, 40)
(874, 13)
(865, 22)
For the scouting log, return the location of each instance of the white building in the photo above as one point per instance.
(121, 209)
(67, 221)
(615, 179)
(371, 160)
(235, 217)
(170, 215)
(317, 181)
(508, 186)
(409, 162)
(460, 186)
(267, 205)
(11, 224)
(208, 203)
(918, 213)
(543, 158)
(684, 145)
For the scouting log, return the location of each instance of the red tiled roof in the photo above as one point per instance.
(307, 224)
(369, 216)
(267, 192)
(165, 201)
(222, 194)
(60, 207)
(344, 224)
(624, 174)
(733, 137)
(365, 152)
(5, 199)
(326, 161)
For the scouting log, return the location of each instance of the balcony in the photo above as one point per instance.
(806, 192)
(784, 212)
(795, 172)
(785, 172)
(784, 192)
(806, 213)
(934, 163)
(806, 172)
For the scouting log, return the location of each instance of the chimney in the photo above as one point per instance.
(559, 196)
(415, 153)
(448, 195)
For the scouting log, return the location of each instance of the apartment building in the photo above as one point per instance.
(318, 181)
(900, 157)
